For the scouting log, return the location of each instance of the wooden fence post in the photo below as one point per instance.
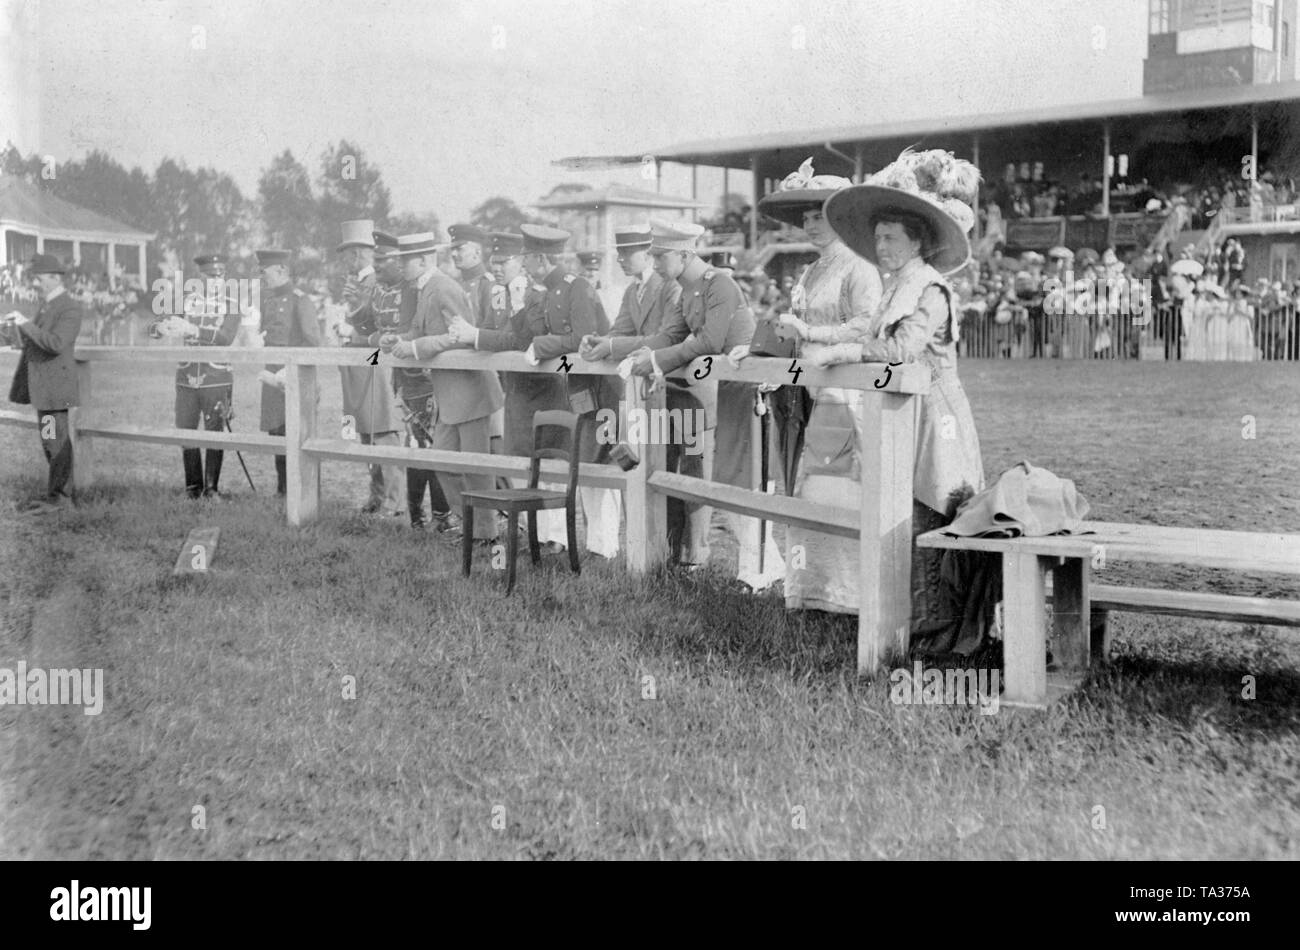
(885, 544)
(302, 490)
(647, 510)
(83, 447)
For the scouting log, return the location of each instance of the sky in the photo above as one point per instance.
(458, 101)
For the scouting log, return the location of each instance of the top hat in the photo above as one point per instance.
(359, 233)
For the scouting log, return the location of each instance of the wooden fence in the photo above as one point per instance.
(882, 520)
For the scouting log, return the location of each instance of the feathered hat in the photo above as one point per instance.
(799, 192)
(933, 185)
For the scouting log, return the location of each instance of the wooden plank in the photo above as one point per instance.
(83, 442)
(198, 552)
(646, 510)
(806, 514)
(1196, 604)
(1231, 550)
(1071, 615)
(198, 438)
(1024, 632)
(24, 420)
(302, 495)
(910, 378)
(512, 466)
(885, 531)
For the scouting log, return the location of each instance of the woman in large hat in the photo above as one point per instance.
(911, 220)
(834, 299)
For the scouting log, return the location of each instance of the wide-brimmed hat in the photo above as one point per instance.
(934, 185)
(1061, 252)
(800, 192)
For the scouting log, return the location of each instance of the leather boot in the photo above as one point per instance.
(212, 471)
(193, 462)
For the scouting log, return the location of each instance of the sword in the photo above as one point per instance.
(760, 410)
(225, 419)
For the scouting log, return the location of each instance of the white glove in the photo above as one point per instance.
(19, 319)
(737, 354)
(531, 357)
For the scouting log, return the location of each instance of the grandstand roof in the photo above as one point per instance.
(735, 152)
(26, 207)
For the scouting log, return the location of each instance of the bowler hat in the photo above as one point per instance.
(46, 264)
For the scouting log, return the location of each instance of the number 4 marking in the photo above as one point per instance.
(795, 369)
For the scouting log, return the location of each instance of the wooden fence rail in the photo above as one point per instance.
(882, 523)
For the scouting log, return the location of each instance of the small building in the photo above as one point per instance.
(33, 221)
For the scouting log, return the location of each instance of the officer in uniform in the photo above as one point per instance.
(558, 313)
(367, 390)
(590, 262)
(288, 319)
(204, 390)
(712, 317)
(646, 302)
(463, 400)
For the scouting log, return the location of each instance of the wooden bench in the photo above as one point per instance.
(1080, 608)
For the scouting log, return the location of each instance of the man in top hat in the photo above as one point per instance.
(559, 312)
(368, 409)
(288, 318)
(463, 400)
(204, 390)
(711, 319)
(646, 302)
(46, 378)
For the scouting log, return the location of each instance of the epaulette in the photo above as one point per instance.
(569, 278)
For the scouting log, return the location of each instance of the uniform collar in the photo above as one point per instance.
(54, 294)
(478, 270)
(424, 278)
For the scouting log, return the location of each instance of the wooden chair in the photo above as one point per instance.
(532, 499)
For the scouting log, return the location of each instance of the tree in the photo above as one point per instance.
(288, 206)
(349, 187)
(407, 223)
(498, 214)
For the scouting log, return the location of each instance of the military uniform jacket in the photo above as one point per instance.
(367, 390)
(461, 395)
(288, 319)
(47, 373)
(217, 316)
(477, 284)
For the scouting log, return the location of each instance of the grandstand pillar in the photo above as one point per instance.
(695, 212)
(1254, 147)
(76, 252)
(756, 194)
(975, 160)
(143, 281)
(1105, 168)
(857, 165)
(112, 265)
(40, 244)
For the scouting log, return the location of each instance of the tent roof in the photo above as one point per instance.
(25, 206)
(616, 195)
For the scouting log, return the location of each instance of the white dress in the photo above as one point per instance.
(840, 293)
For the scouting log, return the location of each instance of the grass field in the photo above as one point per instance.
(485, 727)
